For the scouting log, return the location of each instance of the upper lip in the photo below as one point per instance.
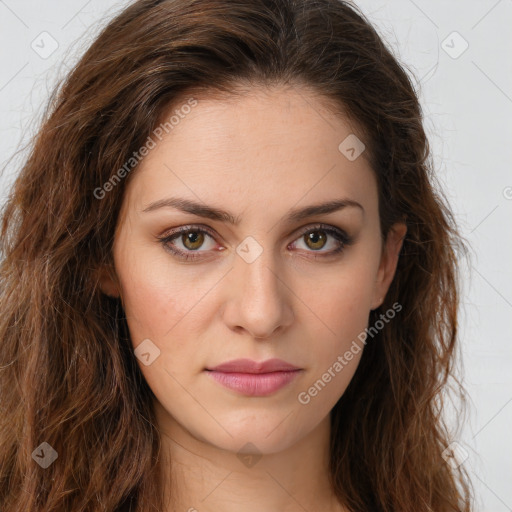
(250, 366)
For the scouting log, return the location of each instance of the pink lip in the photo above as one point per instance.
(254, 378)
(250, 366)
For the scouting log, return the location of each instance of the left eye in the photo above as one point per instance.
(317, 238)
(192, 239)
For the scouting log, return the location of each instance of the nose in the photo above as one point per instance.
(260, 299)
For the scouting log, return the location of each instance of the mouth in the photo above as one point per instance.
(254, 384)
(252, 378)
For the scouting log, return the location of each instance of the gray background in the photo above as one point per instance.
(467, 98)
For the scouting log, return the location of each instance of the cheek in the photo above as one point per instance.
(150, 306)
(341, 307)
(343, 297)
(156, 295)
(344, 314)
(158, 308)
(169, 306)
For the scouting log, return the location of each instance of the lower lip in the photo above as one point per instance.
(254, 384)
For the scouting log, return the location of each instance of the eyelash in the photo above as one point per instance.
(343, 239)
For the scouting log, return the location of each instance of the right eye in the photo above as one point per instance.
(190, 238)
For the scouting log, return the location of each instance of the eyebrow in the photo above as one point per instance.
(214, 213)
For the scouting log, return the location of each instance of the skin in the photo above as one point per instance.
(257, 156)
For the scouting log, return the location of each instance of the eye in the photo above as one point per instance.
(317, 237)
(190, 238)
(185, 242)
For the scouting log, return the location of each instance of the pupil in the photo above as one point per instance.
(191, 238)
(315, 237)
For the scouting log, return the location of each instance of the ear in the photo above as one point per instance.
(388, 262)
(108, 282)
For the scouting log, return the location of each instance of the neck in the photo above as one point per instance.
(203, 477)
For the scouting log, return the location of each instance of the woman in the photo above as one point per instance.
(227, 280)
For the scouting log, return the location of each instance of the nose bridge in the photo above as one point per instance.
(259, 304)
(256, 266)
(259, 276)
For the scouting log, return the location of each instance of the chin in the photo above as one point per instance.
(256, 435)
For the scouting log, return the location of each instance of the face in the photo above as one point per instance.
(219, 256)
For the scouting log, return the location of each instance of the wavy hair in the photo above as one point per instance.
(68, 375)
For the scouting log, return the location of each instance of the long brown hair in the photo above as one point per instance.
(68, 376)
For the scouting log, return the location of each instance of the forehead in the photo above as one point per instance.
(258, 147)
